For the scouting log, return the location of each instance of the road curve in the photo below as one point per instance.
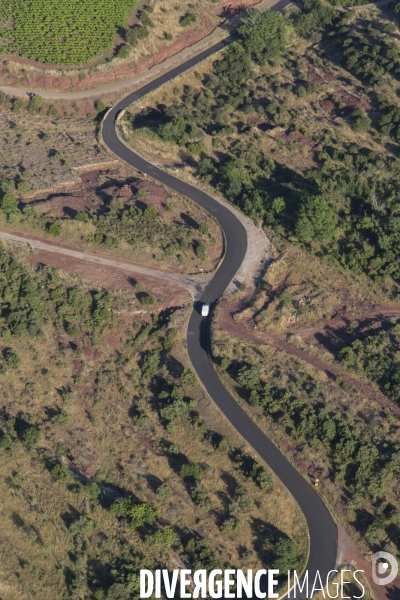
(321, 526)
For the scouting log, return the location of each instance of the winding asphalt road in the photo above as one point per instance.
(321, 526)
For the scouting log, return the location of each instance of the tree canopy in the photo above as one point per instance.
(264, 34)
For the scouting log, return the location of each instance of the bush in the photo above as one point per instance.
(8, 203)
(35, 103)
(123, 52)
(188, 19)
(17, 105)
(54, 229)
(133, 35)
(190, 471)
(164, 537)
(150, 212)
(164, 491)
(145, 19)
(12, 359)
(31, 436)
(286, 298)
(201, 250)
(147, 300)
(189, 377)
(52, 111)
(100, 106)
(61, 473)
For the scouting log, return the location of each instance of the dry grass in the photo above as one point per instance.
(29, 140)
(318, 290)
(102, 442)
(171, 244)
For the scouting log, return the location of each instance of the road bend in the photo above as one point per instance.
(321, 526)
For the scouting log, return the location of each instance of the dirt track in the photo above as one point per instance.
(194, 285)
(244, 330)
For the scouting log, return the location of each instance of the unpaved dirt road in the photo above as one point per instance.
(194, 285)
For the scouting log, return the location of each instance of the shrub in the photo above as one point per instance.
(52, 111)
(164, 537)
(31, 436)
(201, 250)
(190, 471)
(286, 298)
(164, 491)
(188, 19)
(54, 229)
(189, 377)
(169, 339)
(12, 359)
(17, 105)
(8, 203)
(150, 212)
(35, 103)
(100, 106)
(60, 473)
(147, 300)
(133, 35)
(123, 52)
(145, 19)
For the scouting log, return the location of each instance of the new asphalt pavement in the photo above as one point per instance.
(321, 526)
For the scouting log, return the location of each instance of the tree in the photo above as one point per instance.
(31, 436)
(285, 555)
(189, 377)
(248, 377)
(150, 212)
(124, 51)
(164, 537)
(8, 203)
(54, 229)
(264, 34)
(190, 471)
(141, 514)
(174, 131)
(315, 221)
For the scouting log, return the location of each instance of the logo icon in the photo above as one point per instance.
(387, 564)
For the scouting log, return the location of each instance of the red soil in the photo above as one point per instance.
(42, 78)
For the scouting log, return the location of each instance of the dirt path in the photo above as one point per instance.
(244, 330)
(137, 81)
(194, 285)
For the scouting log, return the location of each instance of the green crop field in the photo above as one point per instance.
(60, 32)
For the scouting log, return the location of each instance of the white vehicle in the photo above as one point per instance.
(205, 309)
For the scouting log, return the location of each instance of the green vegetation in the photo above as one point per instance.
(61, 32)
(375, 353)
(298, 124)
(352, 448)
(188, 19)
(103, 459)
(344, 204)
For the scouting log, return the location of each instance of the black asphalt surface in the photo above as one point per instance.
(322, 528)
